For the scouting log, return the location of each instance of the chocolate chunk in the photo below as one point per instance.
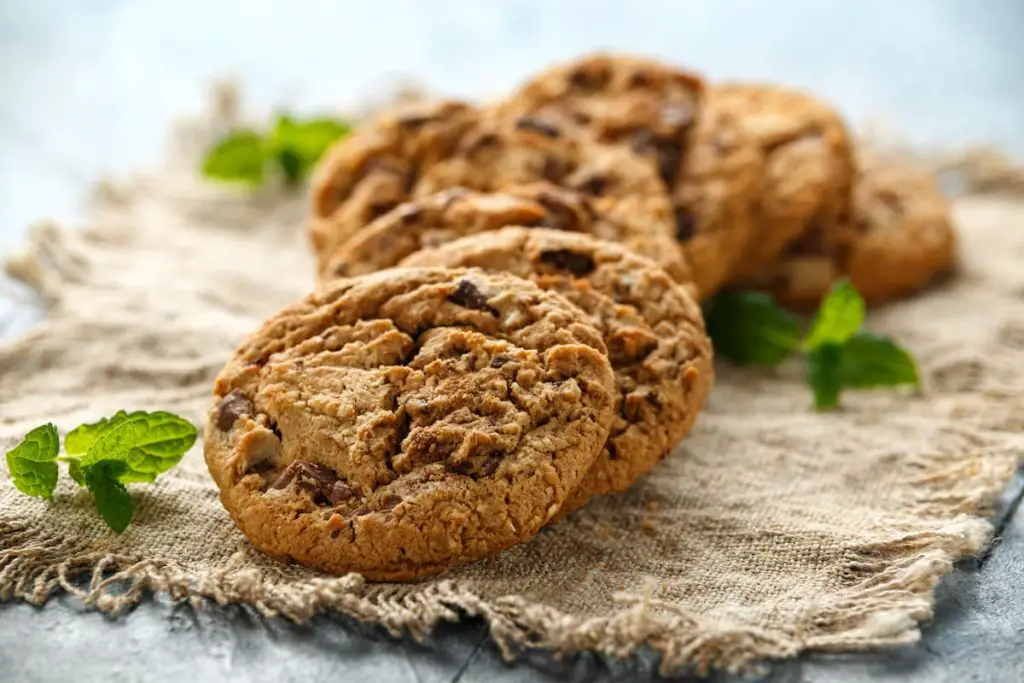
(590, 78)
(468, 296)
(554, 169)
(480, 142)
(315, 479)
(538, 125)
(565, 259)
(499, 361)
(686, 225)
(339, 492)
(233, 406)
(595, 185)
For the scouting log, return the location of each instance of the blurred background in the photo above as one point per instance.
(90, 86)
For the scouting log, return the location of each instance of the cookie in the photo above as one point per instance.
(808, 168)
(653, 329)
(640, 102)
(374, 169)
(715, 197)
(449, 214)
(711, 168)
(902, 238)
(408, 421)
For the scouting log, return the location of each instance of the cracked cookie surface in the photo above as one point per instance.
(374, 169)
(901, 238)
(653, 329)
(808, 168)
(408, 421)
(450, 214)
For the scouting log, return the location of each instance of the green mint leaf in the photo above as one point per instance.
(750, 329)
(298, 145)
(147, 443)
(871, 360)
(33, 462)
(80, 439)
(113, 501)
(240, 157)
(823, 374)
(840, 315)
(77, 475)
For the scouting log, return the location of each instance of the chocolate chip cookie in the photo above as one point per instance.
(715, 197)
(902, 238)
(642, 103)
(449, 214)
(373, 170)
(408, 421)
(808, 167)
(653, 329)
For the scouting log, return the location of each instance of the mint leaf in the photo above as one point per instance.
(33, 462)
(871, 360)
(76, 472)
(147, 443)
(81, 438)
(298, 145)
(840, 315)
(113, 501)
(750, 329)
(823, 374)
(240, 157)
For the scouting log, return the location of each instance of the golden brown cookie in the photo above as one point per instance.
(710, 167)
(808, 168)
(449, 214)
(902, 238)
(408, 421)
(653, 329)
(714, 199)
(640, 102)
(368, 173)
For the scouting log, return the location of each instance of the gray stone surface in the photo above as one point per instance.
(90, 85)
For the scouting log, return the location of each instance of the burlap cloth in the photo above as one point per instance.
(772, 529)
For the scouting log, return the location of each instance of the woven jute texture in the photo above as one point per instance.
(770, 530)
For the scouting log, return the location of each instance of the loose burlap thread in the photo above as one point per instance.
(772, 529)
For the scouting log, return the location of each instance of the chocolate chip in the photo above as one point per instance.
(595, 185)
(667, 151)
(376, 209)
(260, 360)
(468, 296)
(538, 125)
(233, 406)
(639, 79)
(339, 492)
(390, 502)
(313, 478)
(482, 141)
(554, 169)
(499, 361)
(566, 259)
(340, 269)
(582, 118)
(686, 225)
(590, 78)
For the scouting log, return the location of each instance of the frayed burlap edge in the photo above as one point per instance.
(884, 608)
(892, 594)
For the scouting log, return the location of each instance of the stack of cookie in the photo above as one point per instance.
(508, 320)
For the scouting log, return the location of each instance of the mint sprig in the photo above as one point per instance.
(290, 149)
(751, 329)
(103, 456)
